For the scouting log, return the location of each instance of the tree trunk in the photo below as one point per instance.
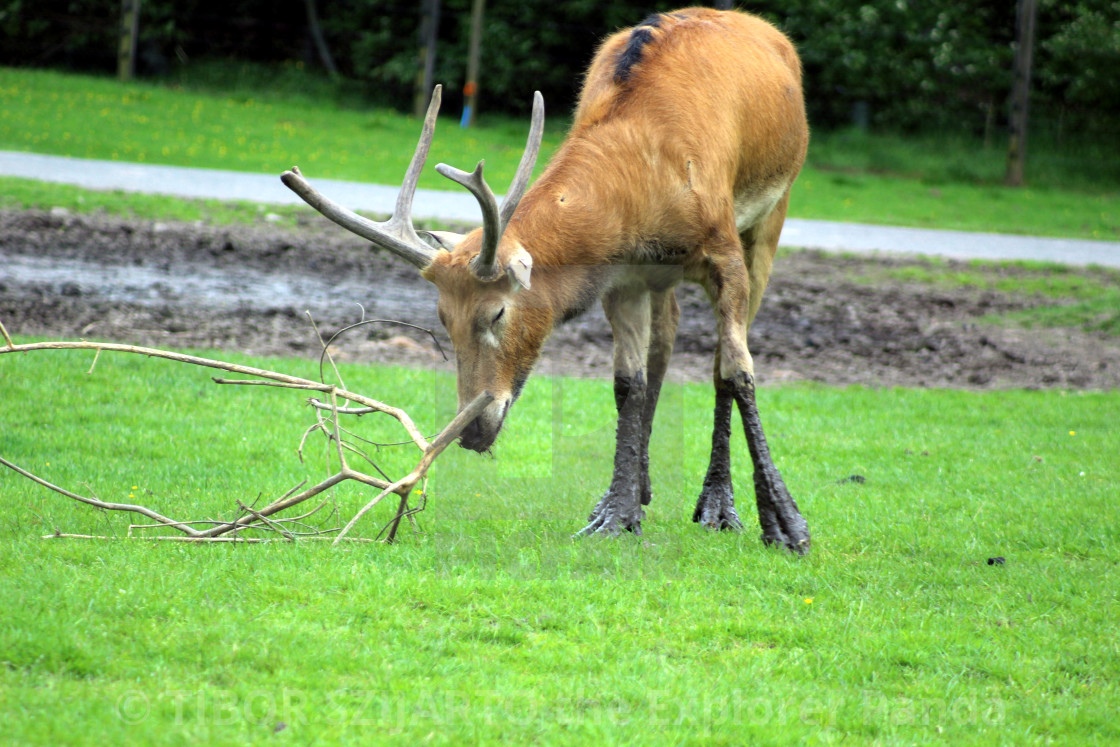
(425, 75)
(1021, 93)
(317, 37)
(130, 32)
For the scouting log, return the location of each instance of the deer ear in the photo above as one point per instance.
(520, 265)
(446, 239)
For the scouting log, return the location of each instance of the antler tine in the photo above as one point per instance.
(402, 213)
(528, 161)
(484, 266)
(494, 219)
(396, 234)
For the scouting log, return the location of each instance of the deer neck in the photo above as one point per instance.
(580, 223)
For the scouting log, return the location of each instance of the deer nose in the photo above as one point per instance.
(475, 437)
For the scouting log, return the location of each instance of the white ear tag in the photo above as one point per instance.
(520, 266)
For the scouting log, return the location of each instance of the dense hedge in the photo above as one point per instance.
(902, 64)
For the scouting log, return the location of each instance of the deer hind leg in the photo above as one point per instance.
(664, 314)
(736, 281)
(644, 325)
(715, 509)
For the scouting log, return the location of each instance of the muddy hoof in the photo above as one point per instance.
(715, 509)
(609, 528)
(781, 521)
(721, 522)
(799, 546)
(614, 514)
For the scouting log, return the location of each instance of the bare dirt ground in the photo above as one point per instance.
(825, 318)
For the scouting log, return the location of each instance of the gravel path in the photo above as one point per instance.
(461, 207)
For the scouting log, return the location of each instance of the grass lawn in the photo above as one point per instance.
(931, 182)
(20, 194)
(494, 626)
(1089, 301)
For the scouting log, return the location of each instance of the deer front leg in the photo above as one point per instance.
(778, 515)
(620, 508)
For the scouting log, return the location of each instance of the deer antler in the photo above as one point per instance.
(528, 160)
(396, 234)
(484, 265)
(495, 219)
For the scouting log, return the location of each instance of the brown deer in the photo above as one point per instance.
(689, 131)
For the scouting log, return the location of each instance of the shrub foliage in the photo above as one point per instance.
(900, 64)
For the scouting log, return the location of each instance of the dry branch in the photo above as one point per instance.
(271, 377)
(163, 521)
(177, 538)
(266, 519)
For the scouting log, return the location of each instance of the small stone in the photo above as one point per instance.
(859, 479)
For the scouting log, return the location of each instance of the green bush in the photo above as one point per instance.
(895, 64)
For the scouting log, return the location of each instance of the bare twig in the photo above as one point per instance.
(195, 522)
(319, 405)
(275, 507)
(163, 520)
(293, 382)
(272, 524)
(283, 385)
(178, 538)
(293, 490)
(326, 352)
(364, 322)
(441, 442)
(404, 511)
(302, 441)
(266, 519)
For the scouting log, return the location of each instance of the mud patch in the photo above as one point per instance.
(248, 288)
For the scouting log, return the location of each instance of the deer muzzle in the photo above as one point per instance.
(480, 433)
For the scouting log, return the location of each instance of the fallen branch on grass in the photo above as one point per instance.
(329, 416)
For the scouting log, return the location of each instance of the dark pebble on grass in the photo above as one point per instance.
(852, 478)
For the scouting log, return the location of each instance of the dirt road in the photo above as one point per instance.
(826, 318)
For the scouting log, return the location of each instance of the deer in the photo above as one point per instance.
(688, 133)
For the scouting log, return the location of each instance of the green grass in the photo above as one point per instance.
(494, 626)
(1083, 299)
(92, 117)
(30, 194)
(223, 123)
(895, 200)
(1072, 161)
(23, 194)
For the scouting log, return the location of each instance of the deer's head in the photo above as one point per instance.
(484, 277)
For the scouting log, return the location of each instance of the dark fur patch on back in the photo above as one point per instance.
(632, 53)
